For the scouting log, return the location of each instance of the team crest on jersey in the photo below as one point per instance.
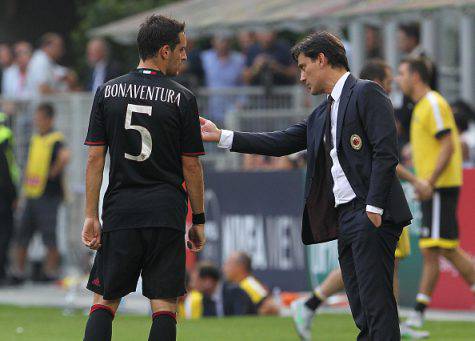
(356, 142)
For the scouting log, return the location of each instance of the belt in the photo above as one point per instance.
(351, 205)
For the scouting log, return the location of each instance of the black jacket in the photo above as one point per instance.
(364, 110)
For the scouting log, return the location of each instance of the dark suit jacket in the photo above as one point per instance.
(113, 70)
(364, 110)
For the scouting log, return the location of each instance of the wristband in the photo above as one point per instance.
(198, 219)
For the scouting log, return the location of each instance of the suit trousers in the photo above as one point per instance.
(366, 256)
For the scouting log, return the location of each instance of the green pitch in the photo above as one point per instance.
(48, 324)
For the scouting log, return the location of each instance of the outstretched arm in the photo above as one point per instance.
(277, 143)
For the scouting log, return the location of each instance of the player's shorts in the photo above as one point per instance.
(403, 248)
(156, 253)
(39, 215)
(439, 219)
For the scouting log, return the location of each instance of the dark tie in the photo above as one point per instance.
(328, 145)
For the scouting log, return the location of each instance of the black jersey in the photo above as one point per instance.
(148, 122)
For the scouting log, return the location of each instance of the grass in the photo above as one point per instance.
(41, 324)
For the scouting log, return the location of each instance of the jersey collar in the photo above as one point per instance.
(146, 71)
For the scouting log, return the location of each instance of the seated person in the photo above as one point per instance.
(213, 297)
(238, 270)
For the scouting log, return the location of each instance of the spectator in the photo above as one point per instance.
(238, 270)
(223, 68)
(191, 74)
(102, 69)
(463, 114)
(269, 62)
(43, 74)
(6, 60)
(216, 298)
(15, 79)
(47, 159)
(8, 194)
(246, 40)
(373, 42)
(409, 46)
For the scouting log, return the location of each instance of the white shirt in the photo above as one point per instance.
(13, 82)
(341, 186)
(99, 75)
(41, 70)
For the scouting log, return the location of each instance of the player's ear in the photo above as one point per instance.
(165, 51)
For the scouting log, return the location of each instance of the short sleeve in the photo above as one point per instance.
(96, 134)
(191, 142)
(438, 118)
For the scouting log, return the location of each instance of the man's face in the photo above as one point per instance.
(176, 57)
(22, 55)
(56, 48)
(96, 51)
(405, 79)
(311, 73)
(231, 269)
(43, 123)
(405, 43)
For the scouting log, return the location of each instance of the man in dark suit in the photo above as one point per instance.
(102, 69)
(352, 192)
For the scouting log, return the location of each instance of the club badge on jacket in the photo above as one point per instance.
(356, 142)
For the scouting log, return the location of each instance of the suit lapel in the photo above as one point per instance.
(319, 126)
(345, 98)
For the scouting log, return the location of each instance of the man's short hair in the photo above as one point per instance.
(421, 66)
(411, 30)
(157, 31)
(246, 261)
(322, 42)
(47, 38)
(374, 69)
(209, 271)
(47, 109)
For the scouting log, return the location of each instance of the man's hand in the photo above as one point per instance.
(91, 233)
(375, 218)
(423, 189)
(209, 131)
(196, 238)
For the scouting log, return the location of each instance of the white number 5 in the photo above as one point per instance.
(146, 149)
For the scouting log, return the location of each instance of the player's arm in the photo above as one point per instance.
(446, 151)
(91, 234)
(422, 187)
(61, 161)
(193, 174)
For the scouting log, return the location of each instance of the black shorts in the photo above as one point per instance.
(158, 254)
(39, 215)
(439, 219)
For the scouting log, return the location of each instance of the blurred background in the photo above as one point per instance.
(239, 66)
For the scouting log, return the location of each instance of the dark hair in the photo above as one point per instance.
(47, 109)
(375, 69)
(463, 114)
(421, 67)
(209, 271)
(155, 32)
(245, 260)
(322, 42)
(47, 38)
(411, 30)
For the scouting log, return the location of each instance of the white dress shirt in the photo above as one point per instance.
(341, 186)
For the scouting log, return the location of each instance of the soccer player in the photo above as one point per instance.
(303, 310)
(150, 125)
(437, 157)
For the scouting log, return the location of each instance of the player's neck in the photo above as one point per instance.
(150, 64)
(419, 92)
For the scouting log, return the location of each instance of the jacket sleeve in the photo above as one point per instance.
(276, 143)
(379, 124)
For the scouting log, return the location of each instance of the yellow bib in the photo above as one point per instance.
(39, 162)
(193, 306)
